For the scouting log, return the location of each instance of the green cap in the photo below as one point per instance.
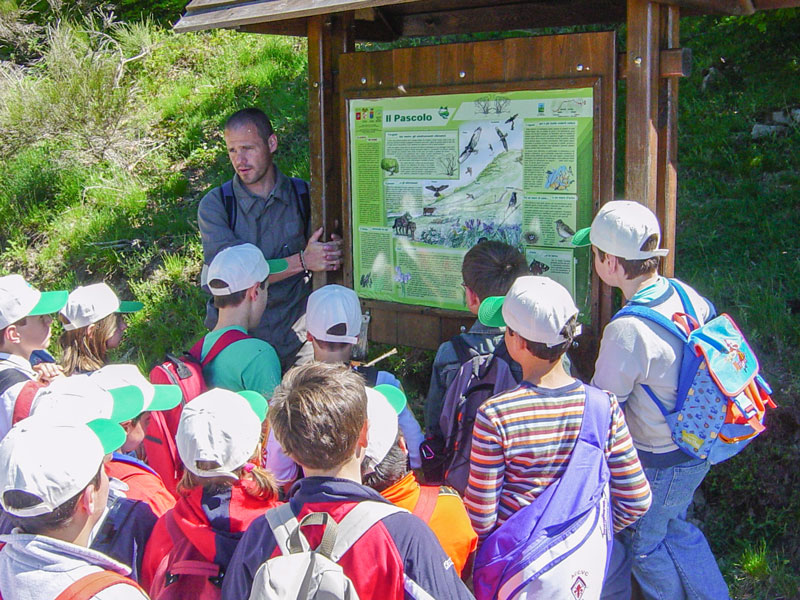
(490, 312)
(165, 396)
(257, 402)
(581, 238)
(50, 302)
(277, 265)
(129, 306)
(396, 397)
(128, 403)
(110, 434)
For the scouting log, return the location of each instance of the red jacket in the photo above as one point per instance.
(213, 523)
(143, 483)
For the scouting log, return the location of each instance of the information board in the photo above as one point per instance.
(431, 176)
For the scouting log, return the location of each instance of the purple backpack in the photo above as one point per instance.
(558, 546)
(480, 378)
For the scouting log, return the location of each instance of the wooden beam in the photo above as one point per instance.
(504, 17)
(328, 37)
(641, 113)
(667, 182)
(673, 62)
(725, 7)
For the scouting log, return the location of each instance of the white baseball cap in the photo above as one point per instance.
(241, 267)
(88, 304)
(223, 427)
(537, 308)
(53, 461)
(158, 396)
(620, 228)
(19, 299)
(80, 399)
(384, 403)
(333, 305)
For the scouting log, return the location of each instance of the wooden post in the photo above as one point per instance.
(329, 36)
(641, 113)
(667, 186)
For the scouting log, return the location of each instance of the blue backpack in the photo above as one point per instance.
(721, 398)
(557, 547)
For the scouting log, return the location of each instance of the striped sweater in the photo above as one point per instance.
(522, 442)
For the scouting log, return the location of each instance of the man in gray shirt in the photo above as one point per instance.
(267, 211)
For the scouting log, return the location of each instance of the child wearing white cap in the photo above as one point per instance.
(333, 321)
(237, 278)
(94, 323)
(522, 438)
(24, 328)
(221, 492)
(385, 470)
(55, 499)
(625, 238)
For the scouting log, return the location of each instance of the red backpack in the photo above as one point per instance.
(184, 573)
(187, 373)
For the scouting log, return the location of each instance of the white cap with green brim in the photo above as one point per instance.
(19, 299)
(156, 396)
(91, 303)
(620, 228)
(240, 267)
(220, 428)
(537, 308)
(79, 398)
(384, 404)
(53, 461)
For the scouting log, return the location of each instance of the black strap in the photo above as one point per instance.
(229, 200)
(303, 194)
(462, 348)
(10, 377)
(301, 190)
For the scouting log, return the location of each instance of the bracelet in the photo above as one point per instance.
(303, 262)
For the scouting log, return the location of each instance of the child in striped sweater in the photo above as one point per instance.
(523, 438)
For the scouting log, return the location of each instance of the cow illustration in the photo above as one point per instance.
(427, 211)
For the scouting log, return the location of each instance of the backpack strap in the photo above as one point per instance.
(283, 522)
(10, 377)
(462, 348)
(87, 587)
(369, 373)
(358, 521)
(303, 194)
(225, 340)
(426, 503)
(229, 202)
(24, 401)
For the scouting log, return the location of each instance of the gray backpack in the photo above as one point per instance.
(302, 572)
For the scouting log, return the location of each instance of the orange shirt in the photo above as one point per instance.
(142, 485)
(449, 520)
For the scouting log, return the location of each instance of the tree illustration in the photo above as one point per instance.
(483, 105)
(501, 104)
(449, 164)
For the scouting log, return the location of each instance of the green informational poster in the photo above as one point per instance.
(432, 176)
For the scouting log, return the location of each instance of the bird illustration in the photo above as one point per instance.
(502, 137)
(491, 149)
(513, 200)
(564, 230)
(470, 197)
(469, 170)
(471, 147)
(538, 268)
(436, 189)
(511, 120)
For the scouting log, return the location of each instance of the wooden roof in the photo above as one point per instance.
(380, 20)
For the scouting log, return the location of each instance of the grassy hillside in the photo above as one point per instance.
(110, 135)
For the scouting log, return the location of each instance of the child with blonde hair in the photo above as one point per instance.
(93, 324)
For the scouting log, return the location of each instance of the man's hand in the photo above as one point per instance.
(46, 371)
(323, 256)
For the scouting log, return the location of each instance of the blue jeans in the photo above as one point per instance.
(669, 556)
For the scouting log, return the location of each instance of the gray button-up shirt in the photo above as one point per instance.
(275, 225)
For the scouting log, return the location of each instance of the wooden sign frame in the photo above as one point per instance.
(547, 62)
